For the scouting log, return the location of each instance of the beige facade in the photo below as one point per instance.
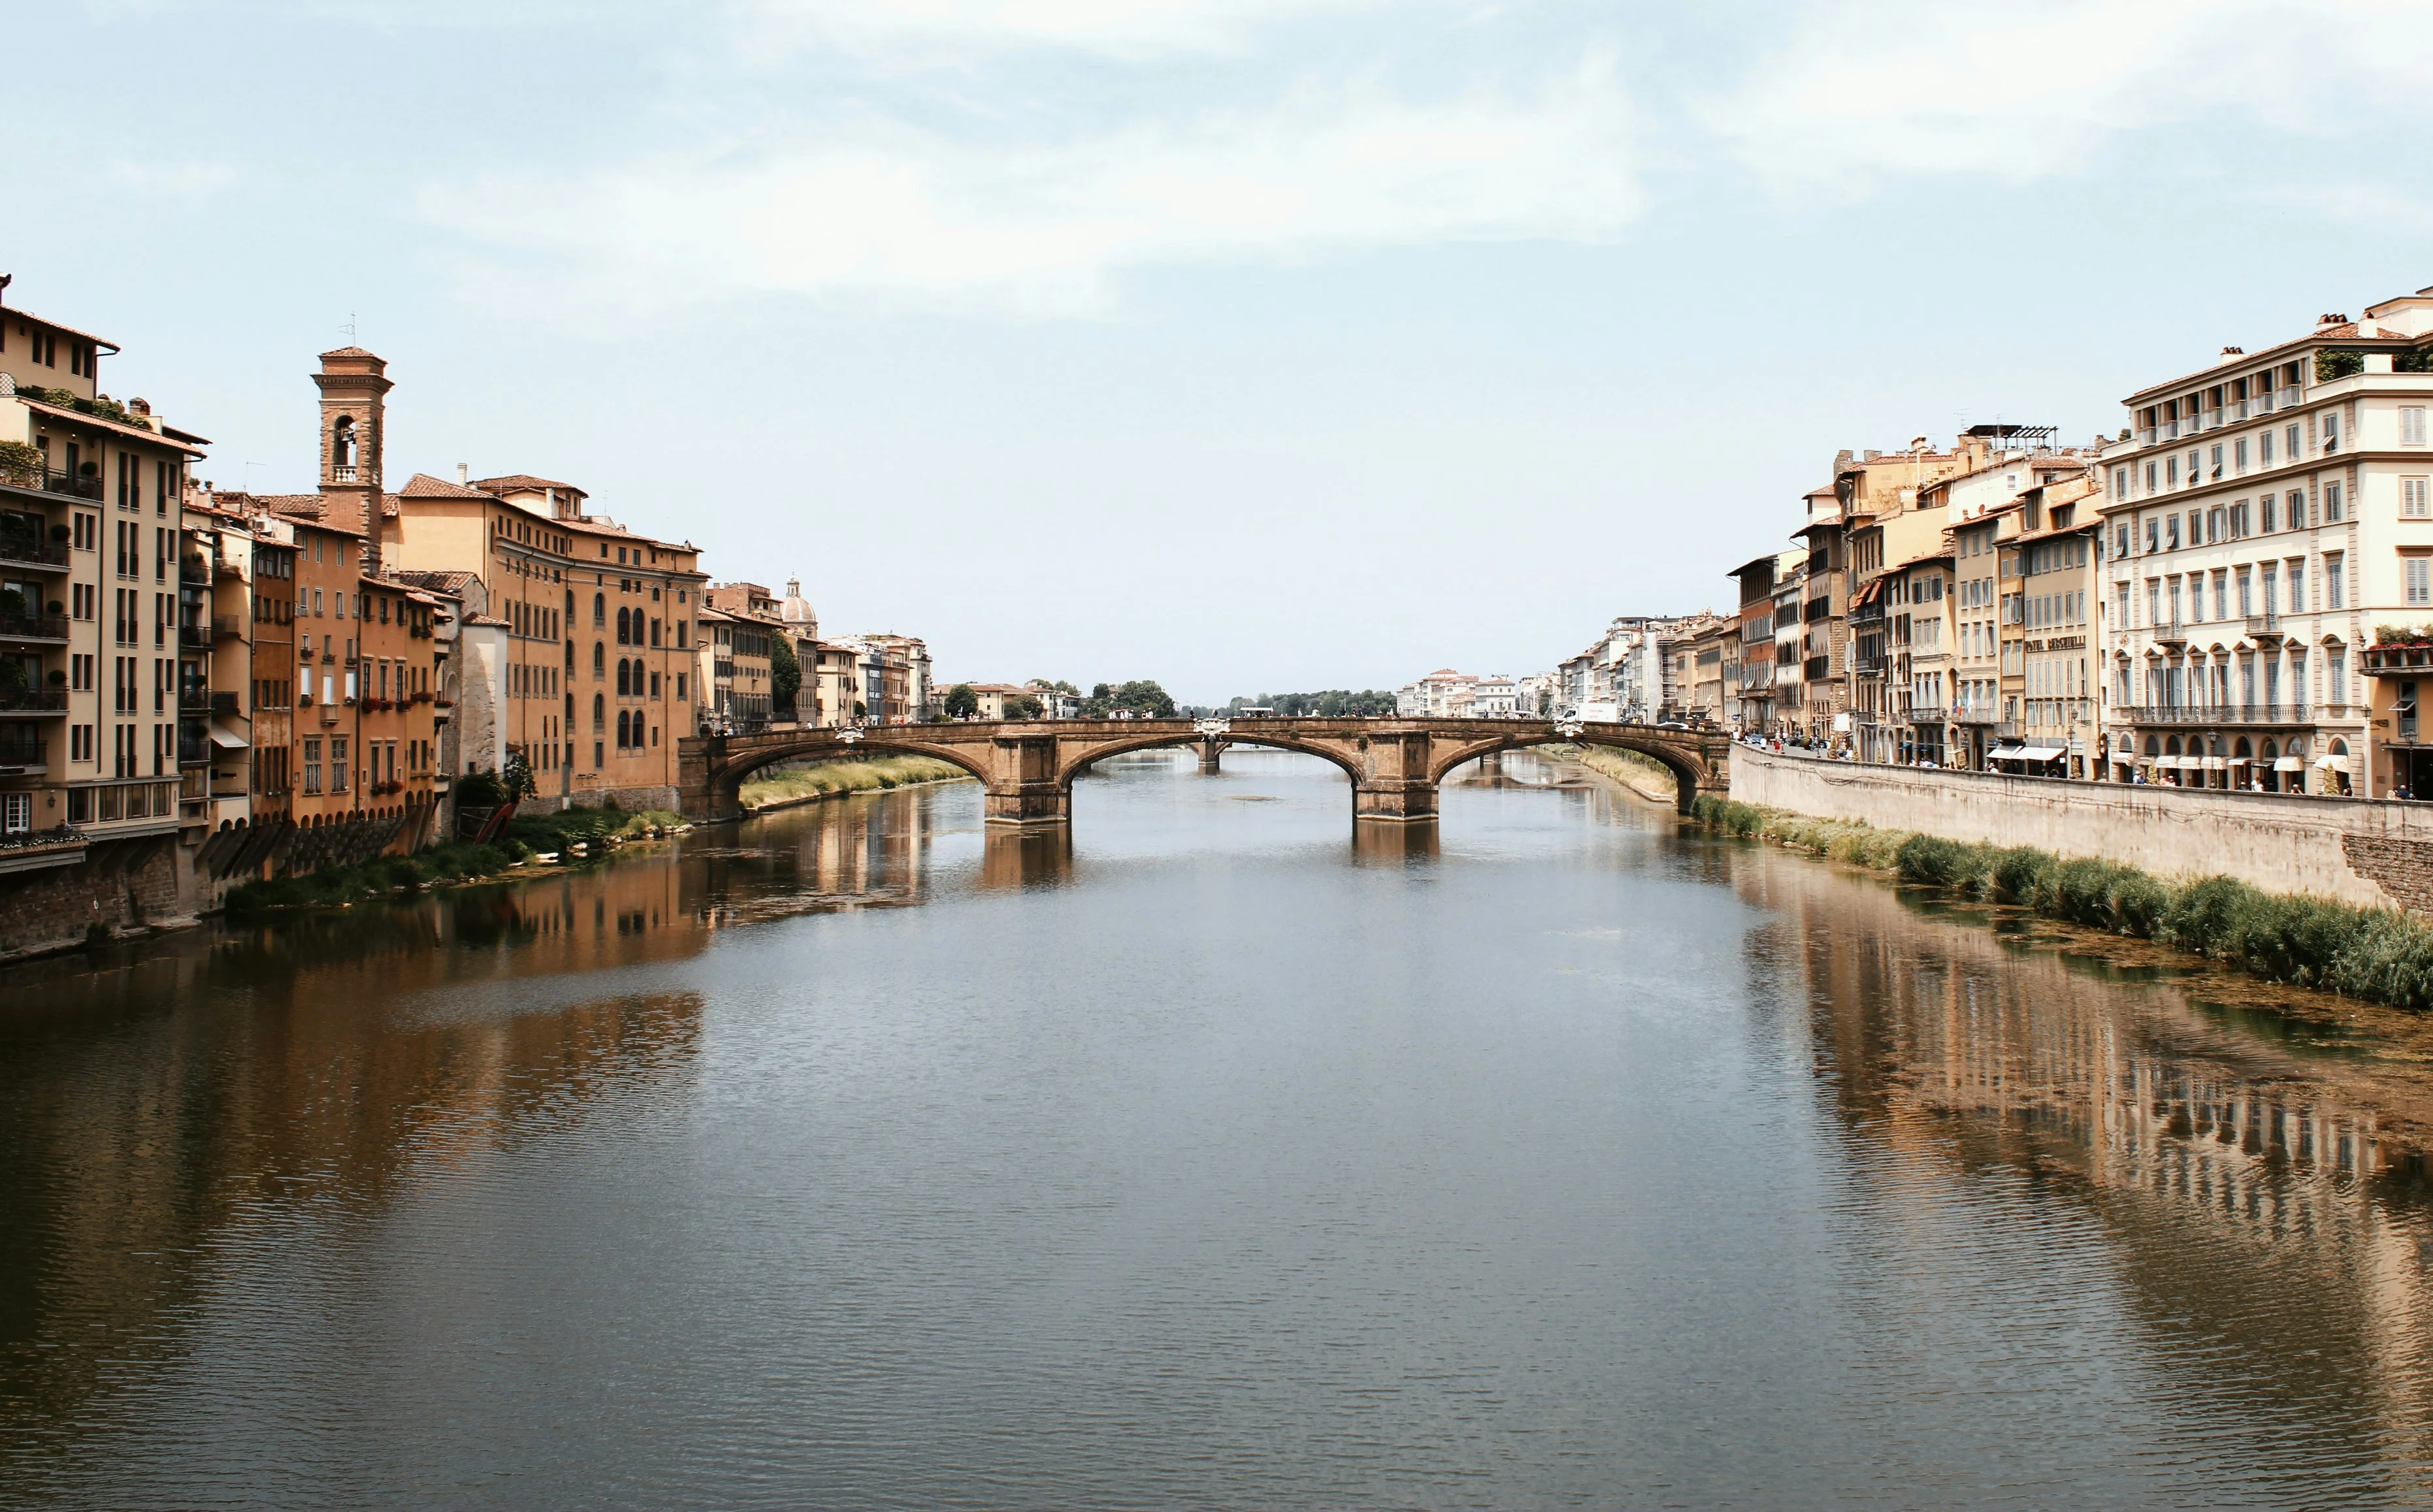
(2264, 516)
(93, 577)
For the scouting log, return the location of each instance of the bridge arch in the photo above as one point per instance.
(1688, 776)
(824, 745)
(1172, 740)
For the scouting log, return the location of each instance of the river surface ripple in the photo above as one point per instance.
(1213, 1159)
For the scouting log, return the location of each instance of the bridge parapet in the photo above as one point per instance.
(1026, 767)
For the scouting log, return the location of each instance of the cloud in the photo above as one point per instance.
(1128, 29)
(880, 213)
(1860, 95)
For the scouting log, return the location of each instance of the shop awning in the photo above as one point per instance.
(2003, 753)
(2339, 761)
(2238, 761)
(2029, 752)
(224, 736)
(2214, 764)
(2289, 764)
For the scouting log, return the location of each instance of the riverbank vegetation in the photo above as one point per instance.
(525, 836)
(828, 779)
(2380, 955)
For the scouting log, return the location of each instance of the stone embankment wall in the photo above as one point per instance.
(120, 885)
(2366, 853)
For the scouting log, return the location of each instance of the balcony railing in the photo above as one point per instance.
(194, 567)
(18, 755)
(75, 485)
(33, 700)
(33, 626)
(2172, 632)
(2260, 627)
(194, 700)
(25, 551)
(2214, 713)
(192, 634)
(2390, 661)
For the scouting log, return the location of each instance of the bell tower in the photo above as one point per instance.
(352, 383)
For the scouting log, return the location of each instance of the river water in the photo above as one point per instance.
(1218, 1158)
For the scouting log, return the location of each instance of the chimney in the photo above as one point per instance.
(464, 472)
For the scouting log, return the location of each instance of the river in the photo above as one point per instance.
(1551, 1157)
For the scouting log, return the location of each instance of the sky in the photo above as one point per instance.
(1247, 344)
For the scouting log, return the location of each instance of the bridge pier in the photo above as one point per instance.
(1210, 750)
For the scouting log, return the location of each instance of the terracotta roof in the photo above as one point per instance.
(486, 619)
(434, 580)
(524, 482)
(121, 427)
(423, 486)
(348, 351)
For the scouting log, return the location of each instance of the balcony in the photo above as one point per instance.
(342, 474)
(2214, 713)
(198, 636)
(75, 485)
(33, 701)
(226, 703)
(20, 759)
(2396, 661)
(194, 567)
(2171, 634)
(19, 551)
(2264, 627)
(33, 627)
(194, 700)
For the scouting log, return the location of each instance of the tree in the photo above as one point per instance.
(785, 674)
(1064, 688)
(1024, 707)
(961, 703)
(518, 777)
(1144, 699)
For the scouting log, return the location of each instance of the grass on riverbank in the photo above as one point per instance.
(457, 862)
(2380, 955)
(827, 778)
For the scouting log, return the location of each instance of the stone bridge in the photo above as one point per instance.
(1026, 766)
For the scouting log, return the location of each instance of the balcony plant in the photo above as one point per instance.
(22, 464)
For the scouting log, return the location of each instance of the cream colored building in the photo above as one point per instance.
(2266, 512)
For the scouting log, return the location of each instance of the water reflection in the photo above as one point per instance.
(2263, 1206)
(1390, 842)
(1027, 858)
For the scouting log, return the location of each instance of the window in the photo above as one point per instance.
(2290, 448)
(2246, 597)
(599, 661)
(2336, 675)
(599, 717)
(2414, 500)
(2264, 449)
(337, 763)
(2332, 503)
(2297, 585)
(312, 766)
(2418, 572)
(2335, 583)
(2217, 461)
(2331, 431)
(2150, 477)
(2171, 533)
(2119, 487)
(2271, 515)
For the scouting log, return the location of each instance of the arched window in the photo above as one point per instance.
(624, 731)
(599, 610)
(655, 631)
(624, 627)
(342, 442)
(599, 713)
(624, 682)
(599, 660)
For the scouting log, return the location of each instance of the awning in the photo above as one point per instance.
(2238, 761)
(2215, 764)
(2339, 761)
(223, 736)
(2289, 764)
(2026, 753)
(2003, 753)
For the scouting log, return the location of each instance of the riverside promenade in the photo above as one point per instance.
(2364, 852)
